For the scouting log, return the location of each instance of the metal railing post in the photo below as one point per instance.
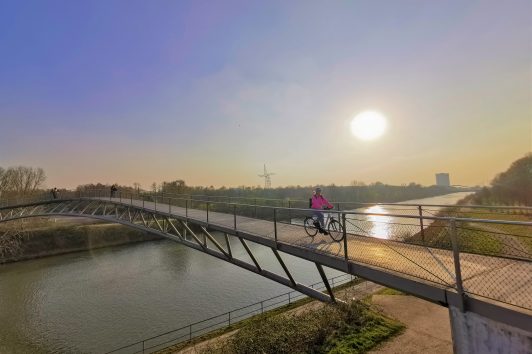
(234, 215)
(289, 211)
(186, 208)
(120, 196)
(457, 268)
(420, 210)
(275, 225)
(207, 212)
(169, 206)
(143, 346)
(344, 231)
(155, 198)
(229, 317)
(131, 199)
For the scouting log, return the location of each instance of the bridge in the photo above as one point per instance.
(481, 269)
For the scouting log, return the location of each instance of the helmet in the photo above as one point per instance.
(318, 189)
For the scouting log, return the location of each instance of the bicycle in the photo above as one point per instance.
(333, 227)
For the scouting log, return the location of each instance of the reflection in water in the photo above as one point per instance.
(380, 224)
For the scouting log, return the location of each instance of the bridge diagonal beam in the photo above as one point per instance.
(174, 228)
(193, 235)
(82, 211)
(228, 245)
(74, 205)
(56, 207)
(36, 207)
(285, 268)
(143, 219)
(244, 243)
(157, 223)
(98, 206)
(325, 281)
(213, 240)
(126, 210)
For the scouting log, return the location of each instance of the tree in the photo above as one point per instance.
(21, 180)
(356, 183)
(514, 186)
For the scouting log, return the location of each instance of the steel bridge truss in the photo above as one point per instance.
(174, 227)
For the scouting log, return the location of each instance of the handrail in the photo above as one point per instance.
(227, 315)
(307, 210)
(164, 194)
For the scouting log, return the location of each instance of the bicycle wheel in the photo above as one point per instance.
(336, 230)
(310, 229)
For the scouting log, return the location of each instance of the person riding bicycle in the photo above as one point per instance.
(319, 202)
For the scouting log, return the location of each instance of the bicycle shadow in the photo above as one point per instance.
(325, 245)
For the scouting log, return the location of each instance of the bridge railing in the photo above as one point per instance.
(432, 248)
(473, 211)
(205, 326)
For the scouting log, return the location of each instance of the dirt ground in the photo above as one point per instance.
(428, 329)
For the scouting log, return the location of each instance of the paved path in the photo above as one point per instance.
(428, 328)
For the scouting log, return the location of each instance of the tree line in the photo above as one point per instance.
(20, 181)
(511, 187)
(375, 192)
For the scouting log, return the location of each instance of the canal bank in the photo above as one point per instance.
(55, 236)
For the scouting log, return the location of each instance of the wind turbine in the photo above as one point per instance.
(267, 179)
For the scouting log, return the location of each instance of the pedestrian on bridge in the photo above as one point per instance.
(53, 191)
(319, 202)
(114, 188)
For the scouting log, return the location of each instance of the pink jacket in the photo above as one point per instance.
(319, 202)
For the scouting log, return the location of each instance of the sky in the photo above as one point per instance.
(209, 91)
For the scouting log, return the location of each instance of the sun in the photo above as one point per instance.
(368, 125)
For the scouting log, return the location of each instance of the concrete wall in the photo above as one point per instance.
(474, 334)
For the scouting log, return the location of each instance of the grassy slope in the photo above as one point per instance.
(353, 328)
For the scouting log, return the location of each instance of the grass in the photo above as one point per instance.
(250, 321)
(477, 241)
(389, 291)
(340, 328)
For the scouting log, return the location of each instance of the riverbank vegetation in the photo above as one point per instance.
(357, 192)
(40, 237)
(335, 329)
(512, 187)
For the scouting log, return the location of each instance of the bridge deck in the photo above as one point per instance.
(500, 279)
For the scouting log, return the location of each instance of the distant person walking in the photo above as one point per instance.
(319, 202)
(53, 191)
(114, 188)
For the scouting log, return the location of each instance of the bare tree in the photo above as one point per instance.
(11, 238)
(4, 185)
(22, 180)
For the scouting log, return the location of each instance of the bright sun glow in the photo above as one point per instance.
(368, 125)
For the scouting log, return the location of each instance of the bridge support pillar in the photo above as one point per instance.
(474, 334)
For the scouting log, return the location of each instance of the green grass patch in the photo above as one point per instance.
(389, 291)
(341, 328)
(250, 321)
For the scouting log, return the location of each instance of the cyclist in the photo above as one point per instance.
(319, 202)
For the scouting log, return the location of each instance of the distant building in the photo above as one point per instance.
(442, 179)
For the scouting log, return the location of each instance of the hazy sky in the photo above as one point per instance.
(209, 91)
